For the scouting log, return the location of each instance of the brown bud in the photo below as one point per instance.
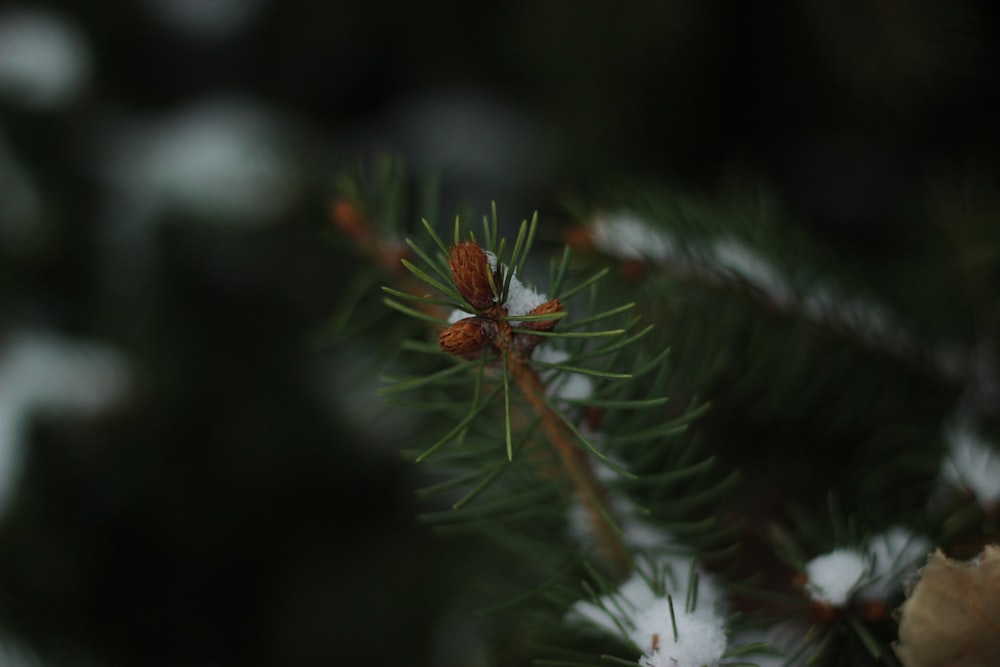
(634, 269)
(547, 308)
(350, 219)
(821, 612)
(874, 611)
(469, 269)
(579, 237)
(464, 338)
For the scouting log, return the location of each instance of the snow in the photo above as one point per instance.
(221, 160)
(873, 571)
(43, 372)
(521, 299)
(895, 553)
(627, 236)
(45, 61)
(971, 463)
(562, 384)
(783, 639)
(727, 259)
(637, 534)
(645, 617)
(741, 260)
(834, 576)
(701, 638)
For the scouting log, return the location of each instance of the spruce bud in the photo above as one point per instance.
(469, 269)
(547, 308)
(464, 338)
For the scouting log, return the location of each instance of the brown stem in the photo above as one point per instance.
(587, 487)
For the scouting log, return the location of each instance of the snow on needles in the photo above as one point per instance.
(564, 385)
(628, 236)
(895, 554)
(971, 463)
(834, 576)
(521, 300)
(647, 616)
(873, 571)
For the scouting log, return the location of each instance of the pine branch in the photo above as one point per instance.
(486, 290)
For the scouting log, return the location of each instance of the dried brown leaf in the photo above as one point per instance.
(951, 617)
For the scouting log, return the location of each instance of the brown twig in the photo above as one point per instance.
(489, 328)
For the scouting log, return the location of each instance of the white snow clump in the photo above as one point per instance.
(834, 576)
(646, 618)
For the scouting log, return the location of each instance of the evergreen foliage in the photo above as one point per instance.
(699, 328)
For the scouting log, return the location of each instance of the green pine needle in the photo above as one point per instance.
(436, 284)
(581, 370)
(536, 318)
(673, 619)
(601, 456)
(490, 477)
(418, 299)
(592, 280)
(440, 267)
(406, 384)
(455, 429)
(664, 430)
(868, 639)
(600, 316)
(756, 647)
(560, 270)
(434, 235)
(532, 227)
(518, 246)
(578, 334)
(675, 475)
(506, 408)
(406, 310)
(624, 403)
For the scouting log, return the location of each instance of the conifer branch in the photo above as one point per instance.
(475, 280)
(588, 489)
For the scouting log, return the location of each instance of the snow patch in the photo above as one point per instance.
(45, 62)
(834, 576)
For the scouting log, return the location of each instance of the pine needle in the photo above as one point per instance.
(585, 284)
(506, 407)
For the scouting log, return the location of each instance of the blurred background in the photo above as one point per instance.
(182, 482)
